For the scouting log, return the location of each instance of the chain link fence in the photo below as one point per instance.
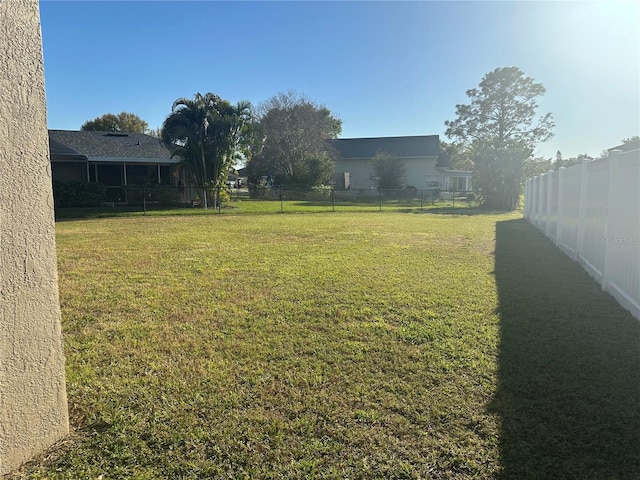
(253, 200)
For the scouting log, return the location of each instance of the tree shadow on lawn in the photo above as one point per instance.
(462, 210)
(569, 366)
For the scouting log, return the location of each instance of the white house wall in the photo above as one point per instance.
(418, 170)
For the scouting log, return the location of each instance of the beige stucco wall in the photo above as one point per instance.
(33, 405)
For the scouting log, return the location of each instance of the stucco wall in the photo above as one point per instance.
(33, 405)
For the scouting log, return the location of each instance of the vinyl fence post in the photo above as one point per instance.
(582, 207)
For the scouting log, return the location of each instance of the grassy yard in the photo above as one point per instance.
(253, 206)
(339, 345)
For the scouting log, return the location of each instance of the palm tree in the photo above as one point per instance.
(208, 134)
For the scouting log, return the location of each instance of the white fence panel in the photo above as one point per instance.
(542, 202)
(591, 253)
(552, 205)
(569, 209)
(622, 236)
(592, 212)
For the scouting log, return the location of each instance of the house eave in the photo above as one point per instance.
(120, 160)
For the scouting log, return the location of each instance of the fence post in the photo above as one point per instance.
(547, 225)
(533, 200)
(606, 265)
(582, 207)
(541, 199)
(560, 205)
(527, 203)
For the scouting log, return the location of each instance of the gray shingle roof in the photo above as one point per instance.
(404, 147)
(63, 152)
(95, 145)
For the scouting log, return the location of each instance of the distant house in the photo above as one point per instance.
(419, 153)
(114, 159)
(627, 147)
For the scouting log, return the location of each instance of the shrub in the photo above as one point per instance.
(154, 193)
(78, 194)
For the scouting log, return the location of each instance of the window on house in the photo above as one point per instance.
(142, 174)
(110, 175)
(166, 175)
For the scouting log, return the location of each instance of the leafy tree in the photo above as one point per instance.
(155, 132)
(500, 129)
(209, 135)
(389, 172)
(559, 161)
(122, 122)
(291, 145)
(498, 174)
(532, 167)
(631, 140)
(454, 156)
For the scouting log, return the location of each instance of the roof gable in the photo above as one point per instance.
(107, 144)
(419, 146)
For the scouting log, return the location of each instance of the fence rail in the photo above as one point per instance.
(592, 213)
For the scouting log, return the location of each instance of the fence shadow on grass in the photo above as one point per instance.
(569, 366)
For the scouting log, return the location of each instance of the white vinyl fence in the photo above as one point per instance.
(592, 212)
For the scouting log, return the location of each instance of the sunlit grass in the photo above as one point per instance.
(280, 346)
(245, 205)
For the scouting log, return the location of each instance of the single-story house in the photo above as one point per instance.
(419, 154)
(114, 159)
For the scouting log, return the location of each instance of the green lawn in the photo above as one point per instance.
(339, 345)
(246, 205)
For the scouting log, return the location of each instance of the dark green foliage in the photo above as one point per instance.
(209, 135)
(153, 194)
(78, 194)
(498, 172)
(122, 122)
(389, 172)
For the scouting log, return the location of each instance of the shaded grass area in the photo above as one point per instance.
(333, 346)
(569, 375)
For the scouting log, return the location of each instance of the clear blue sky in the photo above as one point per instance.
(384, 68)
